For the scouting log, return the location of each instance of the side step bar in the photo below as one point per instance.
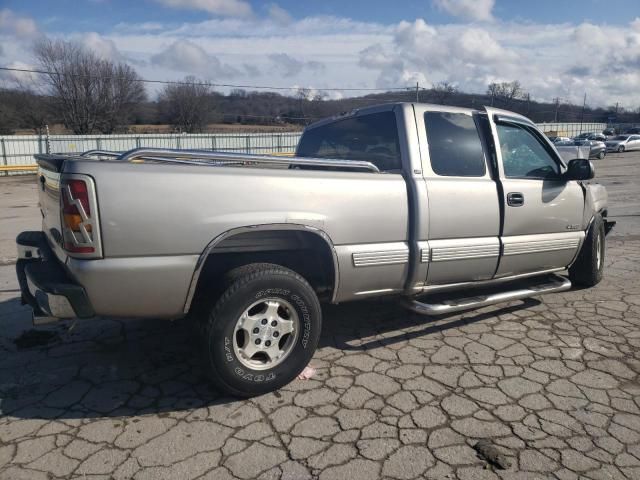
(535, 286)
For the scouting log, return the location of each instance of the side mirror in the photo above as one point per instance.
(580, 169)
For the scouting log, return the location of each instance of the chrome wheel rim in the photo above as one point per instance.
(266, 333)
(598, 251)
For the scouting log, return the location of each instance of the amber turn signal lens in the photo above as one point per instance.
(73, 221)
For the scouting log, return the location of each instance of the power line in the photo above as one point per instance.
(226, 85)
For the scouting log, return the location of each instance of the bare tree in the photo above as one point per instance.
(34, 110)
(443, 91)
(24, 104)
(506, 92)
(188, 105)
(89, 92)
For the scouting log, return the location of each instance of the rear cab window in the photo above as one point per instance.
(371, 137)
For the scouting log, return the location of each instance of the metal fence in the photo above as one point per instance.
(571, 129)
(18, 150)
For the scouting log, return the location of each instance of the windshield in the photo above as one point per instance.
(621, 137)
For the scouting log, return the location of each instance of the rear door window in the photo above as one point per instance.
(455, 148)
(371, 138)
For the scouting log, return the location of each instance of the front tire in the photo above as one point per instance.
(588, 268)
(601, 155)
(621, 149)
(262, 331)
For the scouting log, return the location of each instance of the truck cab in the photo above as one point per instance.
(490, 196)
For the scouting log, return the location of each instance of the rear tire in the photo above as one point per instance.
(262, 331)
(588, 268)
(621, 149)
(601, 155)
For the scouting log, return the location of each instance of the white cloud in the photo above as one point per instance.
(288, 66)
(20, 78)
(231, 8)
(14, 24)
(279, 14)
(550, 60)
(140, 27)
(103, 47)
(478, 10)
(188, 58)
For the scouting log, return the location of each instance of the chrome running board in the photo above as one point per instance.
(530, 288)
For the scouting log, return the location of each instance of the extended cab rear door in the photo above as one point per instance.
(542, 211)
(463, 204)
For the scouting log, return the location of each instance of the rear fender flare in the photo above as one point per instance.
(253, 228)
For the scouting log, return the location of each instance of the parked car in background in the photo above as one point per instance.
(623, 143)
(559, 139)
(591, 136)
(609, 133)
(597, 149)
(633, 131)
(583, 136)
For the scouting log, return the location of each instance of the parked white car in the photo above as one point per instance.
(623, 143)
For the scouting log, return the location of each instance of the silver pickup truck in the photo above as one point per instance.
(445, 208)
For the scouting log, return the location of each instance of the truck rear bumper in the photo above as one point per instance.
(45, 285)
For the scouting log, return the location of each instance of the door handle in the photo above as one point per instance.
(515, 199)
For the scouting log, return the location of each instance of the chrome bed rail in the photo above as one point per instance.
(204, 157)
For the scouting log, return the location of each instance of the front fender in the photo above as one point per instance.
(595, 201)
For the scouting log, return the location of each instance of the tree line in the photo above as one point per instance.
(88, 94)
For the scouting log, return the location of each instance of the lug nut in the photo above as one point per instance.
(274, 324)
(264, 321)
(276, 334)
(267, 343)
(256, 330)
(257, 341)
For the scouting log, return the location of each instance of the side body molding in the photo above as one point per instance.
(253, 228)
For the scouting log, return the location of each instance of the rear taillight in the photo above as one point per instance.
(78, 219)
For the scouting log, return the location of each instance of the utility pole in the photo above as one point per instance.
(555, 116)
(417, 93)
(584, 104)
(528, 102)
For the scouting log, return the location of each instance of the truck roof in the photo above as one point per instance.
(383, 107)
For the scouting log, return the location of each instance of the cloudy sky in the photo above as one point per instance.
(555, 48)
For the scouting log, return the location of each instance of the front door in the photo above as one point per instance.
(464, 214)
(542, 211)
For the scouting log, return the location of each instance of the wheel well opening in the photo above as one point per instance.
(306, 253)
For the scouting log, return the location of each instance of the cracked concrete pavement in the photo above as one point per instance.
(553, 383)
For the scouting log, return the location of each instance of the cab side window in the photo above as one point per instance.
(523, 155)
(371, 138)
(455, 148)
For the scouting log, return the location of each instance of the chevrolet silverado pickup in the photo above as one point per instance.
(445, 208)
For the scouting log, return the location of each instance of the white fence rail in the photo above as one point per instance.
(19, 149)
(571, 129)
